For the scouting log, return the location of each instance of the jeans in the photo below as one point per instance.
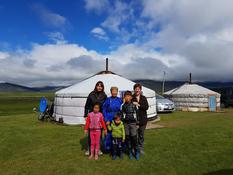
(141, 130)
(116, 146)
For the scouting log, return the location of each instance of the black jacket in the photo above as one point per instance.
(141, 112)
(129, 113)
(93, 98)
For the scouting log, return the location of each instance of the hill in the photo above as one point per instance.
(10, 87)
(157, 85)
(152, 84)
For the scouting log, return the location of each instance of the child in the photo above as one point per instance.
(95, 123)
(129, 117)
(118, 136)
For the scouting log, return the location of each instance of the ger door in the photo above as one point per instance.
(212, 103)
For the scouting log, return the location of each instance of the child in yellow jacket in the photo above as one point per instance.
(118, 136)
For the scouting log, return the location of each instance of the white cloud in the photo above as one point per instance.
(3, 55)
(199, 31)
(57, 37)
(98, 30)
(118, 14)
(50, 18)
(44, 64)
(98, 6)
(53, 64)
(190, 16)
(99, 33)
(60, 63)
(225, 35)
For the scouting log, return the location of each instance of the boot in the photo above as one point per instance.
(121, 155)
(114, 157)
(137, 154)
(130, 155)
(114, 154)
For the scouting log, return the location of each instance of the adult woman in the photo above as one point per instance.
(96, 96)
(141, 102)
(111, 106)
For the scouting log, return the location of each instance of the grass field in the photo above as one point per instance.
(20, 103)
(190, 144)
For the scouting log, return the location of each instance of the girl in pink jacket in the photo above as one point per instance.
(95, 123)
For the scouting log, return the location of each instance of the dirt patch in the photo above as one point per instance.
(154, 124)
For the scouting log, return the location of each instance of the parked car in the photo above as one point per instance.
(164, 105)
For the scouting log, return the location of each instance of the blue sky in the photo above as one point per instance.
(51, 42)
(22, 24)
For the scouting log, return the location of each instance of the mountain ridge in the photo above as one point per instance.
(152, 84)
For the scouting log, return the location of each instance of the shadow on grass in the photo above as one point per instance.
(221, 172)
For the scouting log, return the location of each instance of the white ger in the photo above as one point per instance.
(193, 97)
(69, 102)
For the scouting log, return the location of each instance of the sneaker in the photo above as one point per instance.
(100, 153)
(87, 153)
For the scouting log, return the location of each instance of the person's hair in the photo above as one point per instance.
(114, 88)
(117, 115)
(99, 83)
(128, 93)
(137, 85)
(96, 104)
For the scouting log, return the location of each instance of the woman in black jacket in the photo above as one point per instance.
(141, 102)
(96, 96)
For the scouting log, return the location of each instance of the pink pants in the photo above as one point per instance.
(95, 141)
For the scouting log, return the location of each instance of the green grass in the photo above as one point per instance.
(20, 103)
(190, 144)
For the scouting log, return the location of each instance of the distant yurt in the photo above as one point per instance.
(192, 97)
(69, 102)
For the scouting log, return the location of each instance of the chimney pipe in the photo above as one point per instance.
(190, 78)
(106, 64)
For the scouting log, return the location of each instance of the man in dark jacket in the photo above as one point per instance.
(141, 102)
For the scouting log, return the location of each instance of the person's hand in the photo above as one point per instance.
(105, 132)
(136, 104)
(108, 122)
(85, 131)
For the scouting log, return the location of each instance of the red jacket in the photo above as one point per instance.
(95, 121)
